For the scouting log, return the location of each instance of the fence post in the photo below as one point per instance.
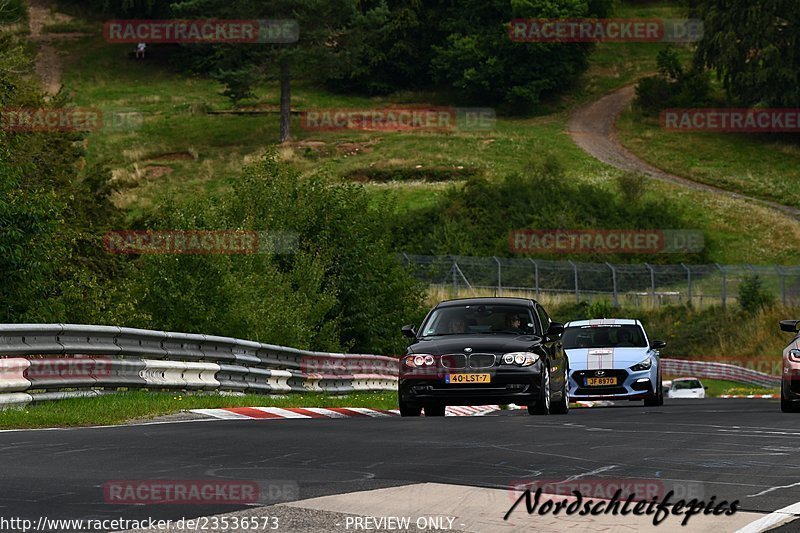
(535, 275)
(652, 282)
(408, 260)
(724, 289)
(575, 270)
(454, 269)
(783, 283)
(614, 283)
(499, 277)
(688, 282)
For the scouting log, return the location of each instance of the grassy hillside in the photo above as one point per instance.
(184, 147)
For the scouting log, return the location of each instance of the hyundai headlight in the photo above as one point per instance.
(794, 355)
(644, 365)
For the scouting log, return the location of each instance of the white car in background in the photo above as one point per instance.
(686, 388)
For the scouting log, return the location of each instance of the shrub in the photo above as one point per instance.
(673, 87)
(753, 296)
(341, 288)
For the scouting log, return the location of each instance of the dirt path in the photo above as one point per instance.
(48, 62)
(593, 128)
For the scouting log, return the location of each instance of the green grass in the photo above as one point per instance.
(140, 405)
(764, 166)
(719, 387)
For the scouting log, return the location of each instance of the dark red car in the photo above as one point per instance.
(790, 384)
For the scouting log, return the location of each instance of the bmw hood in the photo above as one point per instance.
(607, 358)
(479, 344)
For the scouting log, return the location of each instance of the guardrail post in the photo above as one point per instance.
(614, 283)
(688, 282)
(535, 275)
(499, 276)
(783, 283)
(575, 270)
(724, 289)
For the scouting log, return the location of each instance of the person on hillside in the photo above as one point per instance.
(140, 50)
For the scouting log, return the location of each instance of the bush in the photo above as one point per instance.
(632, 186)
(477, 217)
(753, 296)
(600, 309)
(673, 87)
(341, 288)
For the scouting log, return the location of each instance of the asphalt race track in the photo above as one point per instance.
(734, 449)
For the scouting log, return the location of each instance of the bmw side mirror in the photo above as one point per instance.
(555, 329)
(657, 345)
(789, 325)
(409, 331)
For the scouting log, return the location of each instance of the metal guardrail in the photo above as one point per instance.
(41, 362)
(725, 371)
(54, 361)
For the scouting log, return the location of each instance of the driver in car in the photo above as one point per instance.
(624, 339)
(514, 323)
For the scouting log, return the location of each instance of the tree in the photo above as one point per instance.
(754, 47)
(463, 48)
(52, 215)
(328, 28)
(479, 59)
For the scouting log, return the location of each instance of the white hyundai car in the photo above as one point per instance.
(613, 359)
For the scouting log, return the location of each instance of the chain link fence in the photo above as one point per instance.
(633, 285)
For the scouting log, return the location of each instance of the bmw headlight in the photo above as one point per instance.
(644, 365)
(794, 355)
(419, 360)
(520, 358)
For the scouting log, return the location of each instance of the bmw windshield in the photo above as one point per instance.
(476, 320)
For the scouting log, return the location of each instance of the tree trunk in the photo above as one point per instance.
(286, 102)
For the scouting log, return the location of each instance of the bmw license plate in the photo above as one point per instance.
(599, 382)
(468, 378)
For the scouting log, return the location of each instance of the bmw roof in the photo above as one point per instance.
(496, 300)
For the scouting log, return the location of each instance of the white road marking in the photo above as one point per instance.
(773, 489)
(787, 514)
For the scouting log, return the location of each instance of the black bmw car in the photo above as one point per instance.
(481, 351)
